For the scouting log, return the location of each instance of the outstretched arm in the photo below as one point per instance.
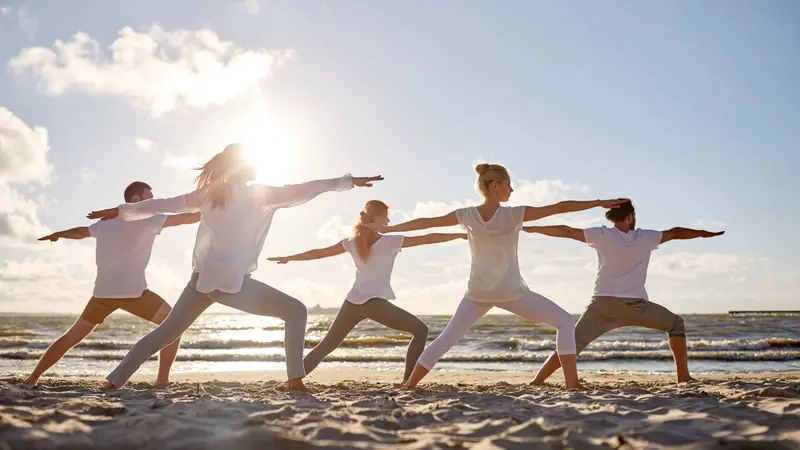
(146, 209)
(559, 231)
(423, 223)
(679, 233)
(433, 238)
(297, 194)
(181, 219)
(319, 253)
(568, 206)
(72, 233)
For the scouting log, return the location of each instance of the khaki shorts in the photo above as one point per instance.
(607, 313)
(146, 306)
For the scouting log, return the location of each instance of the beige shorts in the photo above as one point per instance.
(146, 306)
(607, 313)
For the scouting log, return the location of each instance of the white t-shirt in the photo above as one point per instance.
(622, 260)
(122, 254)
(374, 276)
(494, 274)
(229, 240)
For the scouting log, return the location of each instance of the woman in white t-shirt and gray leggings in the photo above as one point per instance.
(235, 216)
(495, 280)
(373, 255)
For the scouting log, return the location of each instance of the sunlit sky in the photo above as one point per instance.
(690, 108)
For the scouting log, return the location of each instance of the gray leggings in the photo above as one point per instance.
(255, 297)
(381, 311)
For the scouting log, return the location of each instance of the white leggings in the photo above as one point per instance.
(532, 306)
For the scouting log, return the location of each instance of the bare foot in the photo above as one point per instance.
(688, 380)
(296, 385)
(536, 383)
(27, 385)
(575, 387)
(109, 387)
(161, 383)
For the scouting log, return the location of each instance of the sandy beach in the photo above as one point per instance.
(481, 410)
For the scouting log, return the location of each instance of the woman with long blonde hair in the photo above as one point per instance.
(495, 280)
(235, 216)
(373, 255)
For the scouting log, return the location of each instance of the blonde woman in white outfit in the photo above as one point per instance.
(235, 216)
(493, 232)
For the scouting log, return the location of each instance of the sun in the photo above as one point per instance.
(267, 146)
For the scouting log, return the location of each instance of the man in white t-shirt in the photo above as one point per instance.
(122, 254)
(620, 298)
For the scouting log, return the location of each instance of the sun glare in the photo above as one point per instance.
(267, 147)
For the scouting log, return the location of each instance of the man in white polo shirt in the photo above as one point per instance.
(122, 254)
(620, 298)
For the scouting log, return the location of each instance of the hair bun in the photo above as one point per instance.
(481, 169)
(363, 216)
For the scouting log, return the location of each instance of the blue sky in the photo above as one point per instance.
(690, 108)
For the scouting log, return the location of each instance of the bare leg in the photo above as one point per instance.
(186, 310)
(167, 355)
(551, 364)
(591, 325)
(678, 346)
(79, 330)
(417, 375)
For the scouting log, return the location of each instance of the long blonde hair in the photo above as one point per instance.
(488, 174)
(212, 183)
(361, 233)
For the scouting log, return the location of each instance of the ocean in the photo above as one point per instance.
(231, 342)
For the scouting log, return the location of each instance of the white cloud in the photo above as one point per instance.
(23, 151)
(61, 272)
(27, 23)
(145, 144)
(157, 70)
(334, 230)
(698, 265)
(88, 175)
(5, 10)
(181, 161)
(18, 217)
(709, 224)
(23, 160)
(251, 7)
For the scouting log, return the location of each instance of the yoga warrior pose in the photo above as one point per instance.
(235, 215)
(493, 232)
(122, 254)
(620, 299)
(373, 255)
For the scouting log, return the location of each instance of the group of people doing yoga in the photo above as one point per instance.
(235, 213)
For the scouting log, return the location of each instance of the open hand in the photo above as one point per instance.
(104, 214)
(279, 259)
(708, 234)
(50, 237)
(366, 181)
(614, 203)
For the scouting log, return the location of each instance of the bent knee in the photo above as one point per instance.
(565, 322)
(678, 329)
(420, 329)
(161, 314)
(296, 311)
